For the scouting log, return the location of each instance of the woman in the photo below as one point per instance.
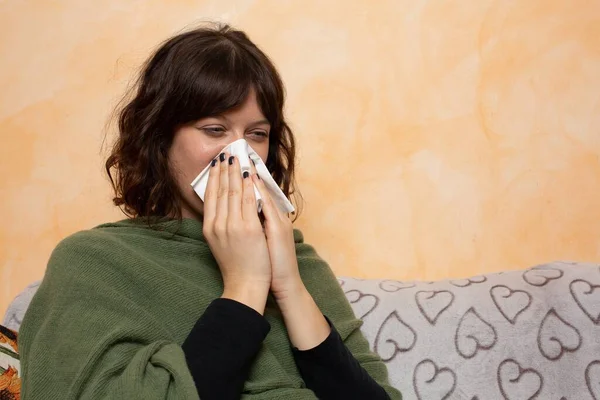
(189, 299)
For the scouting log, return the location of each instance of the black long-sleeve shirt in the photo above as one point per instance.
(230, 334)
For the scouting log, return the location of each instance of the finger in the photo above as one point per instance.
(210, 195)
(249, 206)
(269, 208)
(263, 189)
(223, 190)
(252, 166)
(234, 200)
(254, 173)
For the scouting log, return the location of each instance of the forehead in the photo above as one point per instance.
(249, 109)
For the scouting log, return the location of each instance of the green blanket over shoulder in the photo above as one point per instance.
(117, 302)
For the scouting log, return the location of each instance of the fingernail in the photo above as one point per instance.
(231, 160)
(253, 163)
(258, 176)
(222, 157)
(213, 163)
(246, 174)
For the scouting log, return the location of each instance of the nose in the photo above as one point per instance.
(238, 134)
(234, 136)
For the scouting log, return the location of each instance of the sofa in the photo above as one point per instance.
(519, 335)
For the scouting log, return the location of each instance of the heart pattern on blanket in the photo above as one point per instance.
(540, 276)
(587, 297)
(394, 336)
(469, 281)
(474, 334)
(364, 304)
(510, 303)
(393, 286)
(592, 379)
(433, 303)
(433, 383)
(557, 337)
(518, 383)
(517, 335)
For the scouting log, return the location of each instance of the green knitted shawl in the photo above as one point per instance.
(117, 302)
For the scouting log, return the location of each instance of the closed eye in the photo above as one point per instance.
(213, 130)
(258, 136)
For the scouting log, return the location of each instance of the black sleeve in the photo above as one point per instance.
(221, 347)
(331, 371)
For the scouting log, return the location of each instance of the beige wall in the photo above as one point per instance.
(437, 138)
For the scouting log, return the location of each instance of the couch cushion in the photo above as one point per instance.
(531, 334)
(16, 310)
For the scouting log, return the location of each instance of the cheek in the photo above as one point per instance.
(263, 152)
(191, 157)
(200, 155)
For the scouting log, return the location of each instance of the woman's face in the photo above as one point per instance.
(196, 144)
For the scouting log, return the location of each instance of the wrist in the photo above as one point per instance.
(305, 323)
(252, 294)
(291, 289)
(292, 295)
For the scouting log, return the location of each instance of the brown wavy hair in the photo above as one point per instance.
(194, 75)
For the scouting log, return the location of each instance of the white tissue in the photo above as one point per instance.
(242, 150)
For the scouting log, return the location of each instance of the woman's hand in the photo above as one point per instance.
(303, 319)
(235, 235)
(285, 277)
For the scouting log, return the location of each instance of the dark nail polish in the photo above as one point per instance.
(246, 174)
(258, 176)
(222, 157)
(213, 163)
(253, 163)
(231, 160)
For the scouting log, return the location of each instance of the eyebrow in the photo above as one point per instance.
(260, 122)
(254, 124)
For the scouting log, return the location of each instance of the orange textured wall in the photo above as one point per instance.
(437, 138)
